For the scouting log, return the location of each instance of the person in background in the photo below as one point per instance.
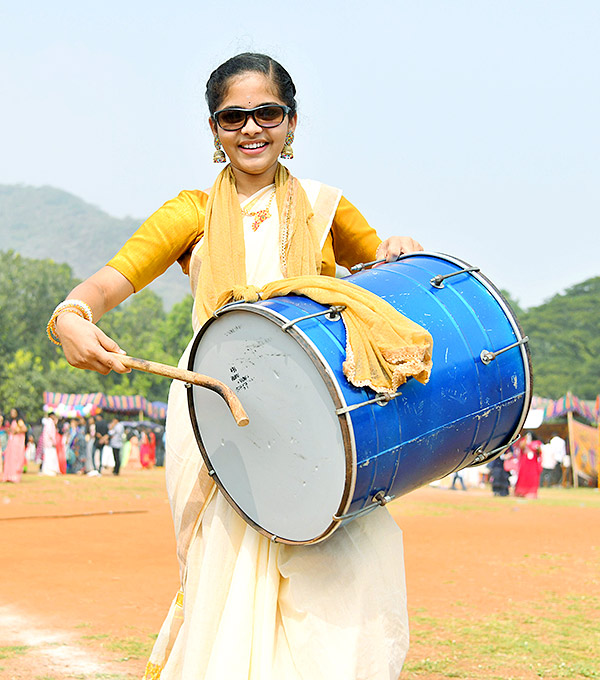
(14, 454)
(90, 445)
(499, 475)
(559, 450)
(145, 450)
(116, 432)
(458, 477)
(101, 440)
(152, 441)
(567, 471)
(50, 464)
(70, 453)
(159, 434)
(126, 448)
(3, 440)
(62, 437)
(530, 466)
(548, 465)
(78, 446)
(133, 438)
(30, 448)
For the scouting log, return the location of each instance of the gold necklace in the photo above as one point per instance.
(259, 215)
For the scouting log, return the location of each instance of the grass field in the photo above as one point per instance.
(498, 588)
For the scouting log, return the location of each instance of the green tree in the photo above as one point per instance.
(29, 292)
(514, 304)
(177, 327)
(22, 385)
(62, 377)
(144, 330)
(565, 342)
(137, 325)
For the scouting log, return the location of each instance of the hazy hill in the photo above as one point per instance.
(44, 222)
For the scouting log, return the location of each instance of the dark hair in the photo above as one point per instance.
(250, 62)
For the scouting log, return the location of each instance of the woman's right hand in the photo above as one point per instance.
(86, 346)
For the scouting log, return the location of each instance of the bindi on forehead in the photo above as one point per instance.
(249, 90)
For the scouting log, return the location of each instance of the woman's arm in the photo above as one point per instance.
(84, 344)
(163, 238)
(355, 241)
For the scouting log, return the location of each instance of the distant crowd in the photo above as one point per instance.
(77, 445)
(90, 445)
(529, 464)
(521, 470)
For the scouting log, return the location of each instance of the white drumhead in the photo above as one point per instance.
(286, 470)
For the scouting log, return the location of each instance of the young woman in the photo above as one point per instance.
(14, 455)
(49, 437)
(530, 466)
(247, 607)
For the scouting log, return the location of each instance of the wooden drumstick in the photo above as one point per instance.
(234, 404)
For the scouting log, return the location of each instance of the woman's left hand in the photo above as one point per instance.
(394, 246)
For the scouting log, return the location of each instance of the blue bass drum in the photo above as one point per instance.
(318, 451)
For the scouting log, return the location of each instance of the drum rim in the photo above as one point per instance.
(338, 400)
(518, 331)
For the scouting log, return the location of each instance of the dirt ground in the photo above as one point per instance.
(88, 570)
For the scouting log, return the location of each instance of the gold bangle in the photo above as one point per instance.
(79, 307)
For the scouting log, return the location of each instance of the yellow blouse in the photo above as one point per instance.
(170, 234)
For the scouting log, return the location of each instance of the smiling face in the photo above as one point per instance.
(253, 151)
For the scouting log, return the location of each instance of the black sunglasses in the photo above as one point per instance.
(265, 116)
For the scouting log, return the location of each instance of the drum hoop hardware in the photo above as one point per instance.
(380, 399)
(363, 265)
(438, 281)
(331, 314)
(487, 356)
(217, 313)
(379, 500)
(487, 456)
(224, 308)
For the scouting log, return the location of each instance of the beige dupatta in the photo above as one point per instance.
(223, 251)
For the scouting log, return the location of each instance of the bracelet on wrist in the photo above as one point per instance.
(79, 307)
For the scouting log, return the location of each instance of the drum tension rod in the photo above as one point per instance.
(331, 313)
(379, 500)
(363, 265)
(438, 281)
(380, 399)
(487, 356)
(488, 456)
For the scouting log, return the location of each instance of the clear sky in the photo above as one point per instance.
(470, 125)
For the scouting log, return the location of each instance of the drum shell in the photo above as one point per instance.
(467, 407)
(430, 430)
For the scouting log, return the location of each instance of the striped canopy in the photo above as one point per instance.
(567, 404)
(90, 404)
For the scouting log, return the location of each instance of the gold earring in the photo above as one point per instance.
(219, 155)
(287, 151)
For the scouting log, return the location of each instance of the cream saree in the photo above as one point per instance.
(250, 609)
